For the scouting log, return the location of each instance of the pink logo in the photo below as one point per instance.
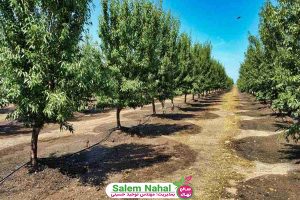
(185, 192)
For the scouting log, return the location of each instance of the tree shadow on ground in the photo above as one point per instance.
(155, 130)
(175, 116)
(257, 107)
(196, 109)
(208, 100)
(200, 105)
(291, 152)
(192, 109)
(94, 165)
(263, 125)
(6, 110)
(95, 110)
(254, 113)
(13, 128)
(269, 149)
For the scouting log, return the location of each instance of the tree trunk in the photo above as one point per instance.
(185, 98)
(163, 106)
(118, 118)
(34, 142)
(153, 107)
(198, 95)
(193, 97)
(173, 106)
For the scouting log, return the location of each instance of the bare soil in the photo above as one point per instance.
(271, 149)
(139, 152)
(271, 187)
(198, 138)
(272, 154)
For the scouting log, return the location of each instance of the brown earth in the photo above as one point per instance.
(139, 152)
(271, 187)
(270, 149)
(275, 175)
(197, 138)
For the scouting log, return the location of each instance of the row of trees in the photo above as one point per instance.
(149, 59)
(272, 67)
(47, 73)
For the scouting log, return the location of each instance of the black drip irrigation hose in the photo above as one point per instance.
(103, 140)
(11, 173)
(24, 164)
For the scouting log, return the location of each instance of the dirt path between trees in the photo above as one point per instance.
(227, 142)
(215, 167)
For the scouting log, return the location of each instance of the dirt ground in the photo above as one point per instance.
(276, 172)
(228, 142)
(271, 187)
(269, 149)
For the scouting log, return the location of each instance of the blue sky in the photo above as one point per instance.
(214, 21)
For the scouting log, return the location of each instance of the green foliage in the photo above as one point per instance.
(38, 57)
(185, 77)
(149, 59)
(122, 48)
(271, 67)
(168, 69)
(179, 183)
(255, 74)
(92, 76)
(48, 75)
(208, 74)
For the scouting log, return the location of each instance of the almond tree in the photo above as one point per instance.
(152, 40)
(168, 69)
(121, 28)
(255, 76)
(38, 61)
(201, 56)
(185, 78)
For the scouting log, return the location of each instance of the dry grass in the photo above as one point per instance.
(2, 117)
(225, 161)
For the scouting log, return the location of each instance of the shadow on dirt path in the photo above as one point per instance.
(275, 174)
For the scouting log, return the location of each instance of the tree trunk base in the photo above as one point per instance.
(173, 106)
(153, 107)
(163, 106)
(119, 127)
(34, 147)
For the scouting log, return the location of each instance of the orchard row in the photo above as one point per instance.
(48, 70)
(271, 69)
